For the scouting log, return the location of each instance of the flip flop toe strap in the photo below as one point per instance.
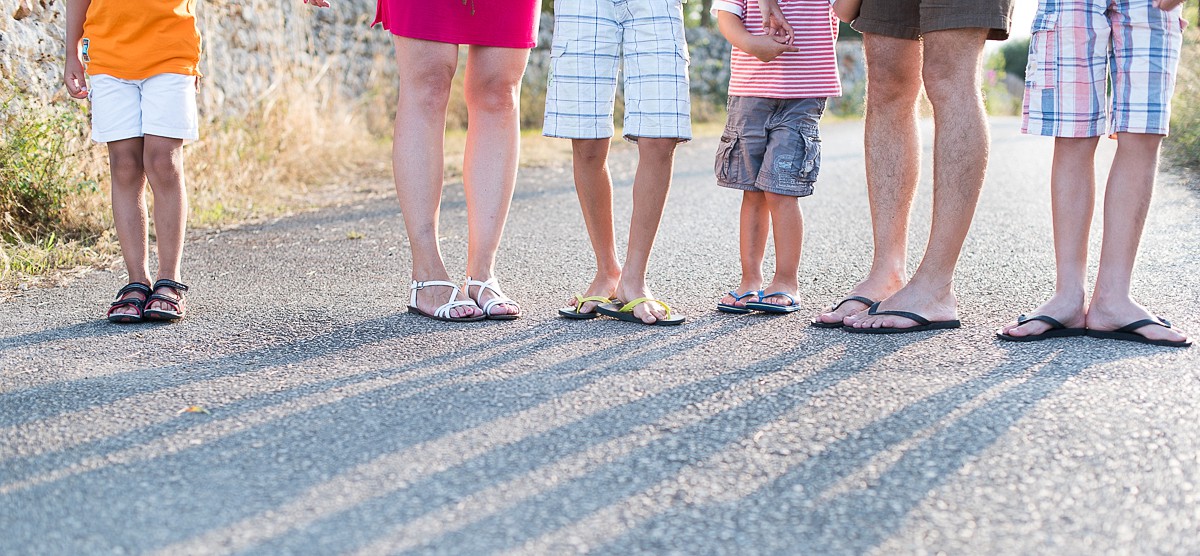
(921, 321)
(628, 307)
(1053, 322)
(1129, 328)
(580, 300)
(791, 300)
(740, 296)
(864, 300)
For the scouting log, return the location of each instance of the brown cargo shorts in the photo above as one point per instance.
(909, 19)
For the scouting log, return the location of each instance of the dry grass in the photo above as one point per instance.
(289, 155)
(1183, 146)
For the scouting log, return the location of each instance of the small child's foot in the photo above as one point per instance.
(129, 304)
(168, 301)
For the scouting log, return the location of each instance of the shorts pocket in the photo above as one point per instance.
(557, 50)
(730, 165)
(1043, 52)
(794, 165)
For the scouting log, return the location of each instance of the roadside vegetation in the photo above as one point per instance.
(1183, 146)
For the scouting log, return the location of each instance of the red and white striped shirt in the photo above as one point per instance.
(810, 73)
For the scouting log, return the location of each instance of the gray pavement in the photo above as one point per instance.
(339, 424)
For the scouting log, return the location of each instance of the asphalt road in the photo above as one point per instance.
(338, 423)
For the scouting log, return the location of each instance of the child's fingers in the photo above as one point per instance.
(76, 85)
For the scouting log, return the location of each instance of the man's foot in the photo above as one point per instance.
(1069, 310)
(1110, 315)
(870, 288)
(602, 285)
(935, 308)
(430, 297)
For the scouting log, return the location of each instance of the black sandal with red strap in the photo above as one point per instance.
(138, 305)
(177, 305)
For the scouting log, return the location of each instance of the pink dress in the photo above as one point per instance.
(503, 23)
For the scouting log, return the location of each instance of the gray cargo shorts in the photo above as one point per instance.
(771, 144)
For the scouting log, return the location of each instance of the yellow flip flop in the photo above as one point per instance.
(573, 312)
(624, 311)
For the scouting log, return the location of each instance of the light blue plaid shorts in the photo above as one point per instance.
(593, 37)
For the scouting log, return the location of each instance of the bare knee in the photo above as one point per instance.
(655, 148)
(590, 153)
(164, 165)
(893, 71)
(126, 167)
(493, 94)
(428, 86)
(954, 83)
(951, 65)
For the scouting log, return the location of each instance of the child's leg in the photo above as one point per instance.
(753, 226)
(1126, 202)
(650, 186)
(593, 184)
(493, 83)
(417, 159)
(164, 169)
(1072, 195)
(1143, 83)
(787, 225)
(129, 210)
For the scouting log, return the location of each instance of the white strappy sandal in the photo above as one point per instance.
(442, 312)
(499, 299)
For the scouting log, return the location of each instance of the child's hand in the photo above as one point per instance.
(1167, 5)
(75, 78)
(767, 48)
(318, 3)
(774, 23)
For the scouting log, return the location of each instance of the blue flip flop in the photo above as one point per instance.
(765, 307)
(737, 309)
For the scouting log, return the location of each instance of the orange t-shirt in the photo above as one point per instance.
(138, 39)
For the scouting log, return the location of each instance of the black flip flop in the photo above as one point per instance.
(1127, 333)
(138, 304)
(923, 323)
(624, 311)
(1056, 330)
(864, 300)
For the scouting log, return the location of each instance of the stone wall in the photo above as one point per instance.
(253, 49)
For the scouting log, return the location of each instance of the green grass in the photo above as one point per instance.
(43, 165)
(1183, 146)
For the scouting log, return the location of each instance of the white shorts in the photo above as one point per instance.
(591, 37)
(162, 105)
